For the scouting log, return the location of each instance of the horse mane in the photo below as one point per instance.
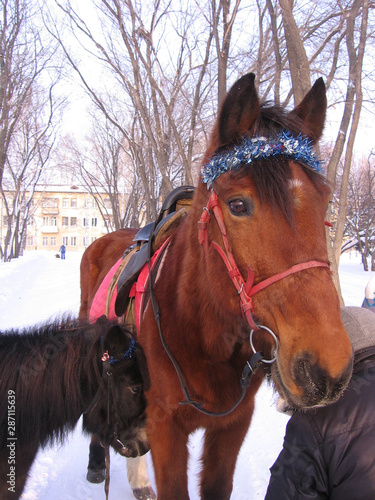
(272, 176)
(51, 373)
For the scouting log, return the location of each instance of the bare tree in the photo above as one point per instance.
(162, 61)
(222, 43)
(352, 109)
(360, 221)
(28, 155)
(312, 42)
(299, 65)
(105, 165)
(159, 86)
(24, 56)
(29, 72)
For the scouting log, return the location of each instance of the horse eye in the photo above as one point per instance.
(237, 207)
(135, 389)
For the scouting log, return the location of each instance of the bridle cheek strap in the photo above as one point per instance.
(246, 290)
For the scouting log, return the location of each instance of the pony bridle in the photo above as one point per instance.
(106, 384)
(108, 363)
(246, 289)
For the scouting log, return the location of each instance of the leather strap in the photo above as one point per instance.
(246, 289)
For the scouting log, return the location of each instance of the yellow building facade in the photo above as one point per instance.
(63, 215)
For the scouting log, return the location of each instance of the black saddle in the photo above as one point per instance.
(149, 238)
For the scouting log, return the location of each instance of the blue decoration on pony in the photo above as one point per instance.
(284, 145)
(128, 354)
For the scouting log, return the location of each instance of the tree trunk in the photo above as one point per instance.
(355, 80)
(299, 66)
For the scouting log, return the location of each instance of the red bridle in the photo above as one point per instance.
(245, 289)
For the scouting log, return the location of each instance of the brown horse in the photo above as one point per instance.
(258, 212)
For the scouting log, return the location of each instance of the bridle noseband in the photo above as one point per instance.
(246, 289)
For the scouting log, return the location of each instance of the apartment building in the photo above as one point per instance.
(66, 215)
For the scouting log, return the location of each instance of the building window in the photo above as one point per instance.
(85, 241)
(53, 241)
(65, 241)
(50, 203)
(53, 221)
(45, 241)
(30, 221)
(65, 203)
(73, 202)
(29, 241)
(73, 241)
(89, 203)
(65, 221)
(73, 221)
(45, 221)
(94, 221)
(85, 222)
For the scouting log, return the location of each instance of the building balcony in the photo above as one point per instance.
(50, 211)
(49, 229)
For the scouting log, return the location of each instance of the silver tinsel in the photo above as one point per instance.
(284, 145)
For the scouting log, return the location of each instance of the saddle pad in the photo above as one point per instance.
(99, 303)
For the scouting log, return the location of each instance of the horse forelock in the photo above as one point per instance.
(272, 176)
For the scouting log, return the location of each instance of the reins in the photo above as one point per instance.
(247, 372)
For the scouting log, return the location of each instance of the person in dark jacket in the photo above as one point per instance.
(329, 452)
(63, 250)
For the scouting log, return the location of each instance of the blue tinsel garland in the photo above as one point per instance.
(127, 354)
(259, 148)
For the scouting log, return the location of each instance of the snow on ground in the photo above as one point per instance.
(39, 286)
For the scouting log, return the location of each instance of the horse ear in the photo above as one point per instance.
(142, 365)
(239, 111)
(312, 110)
(116, 342)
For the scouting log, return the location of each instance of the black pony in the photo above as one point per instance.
(50, 375)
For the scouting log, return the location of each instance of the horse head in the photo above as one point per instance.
(262, 175)
(118, 414)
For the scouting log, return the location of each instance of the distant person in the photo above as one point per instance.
(369, 300)
(62, 251)
(329, 452)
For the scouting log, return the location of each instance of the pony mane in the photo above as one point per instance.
(46, 367)
(272, 175)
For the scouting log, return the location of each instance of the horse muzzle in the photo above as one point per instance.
(310, 385)
(134, 449)
(133, 446)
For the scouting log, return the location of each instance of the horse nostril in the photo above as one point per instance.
(130, 450)
(318, 386)
(311, 378)
(125, 451)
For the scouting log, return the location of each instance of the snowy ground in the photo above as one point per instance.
(39, 286)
